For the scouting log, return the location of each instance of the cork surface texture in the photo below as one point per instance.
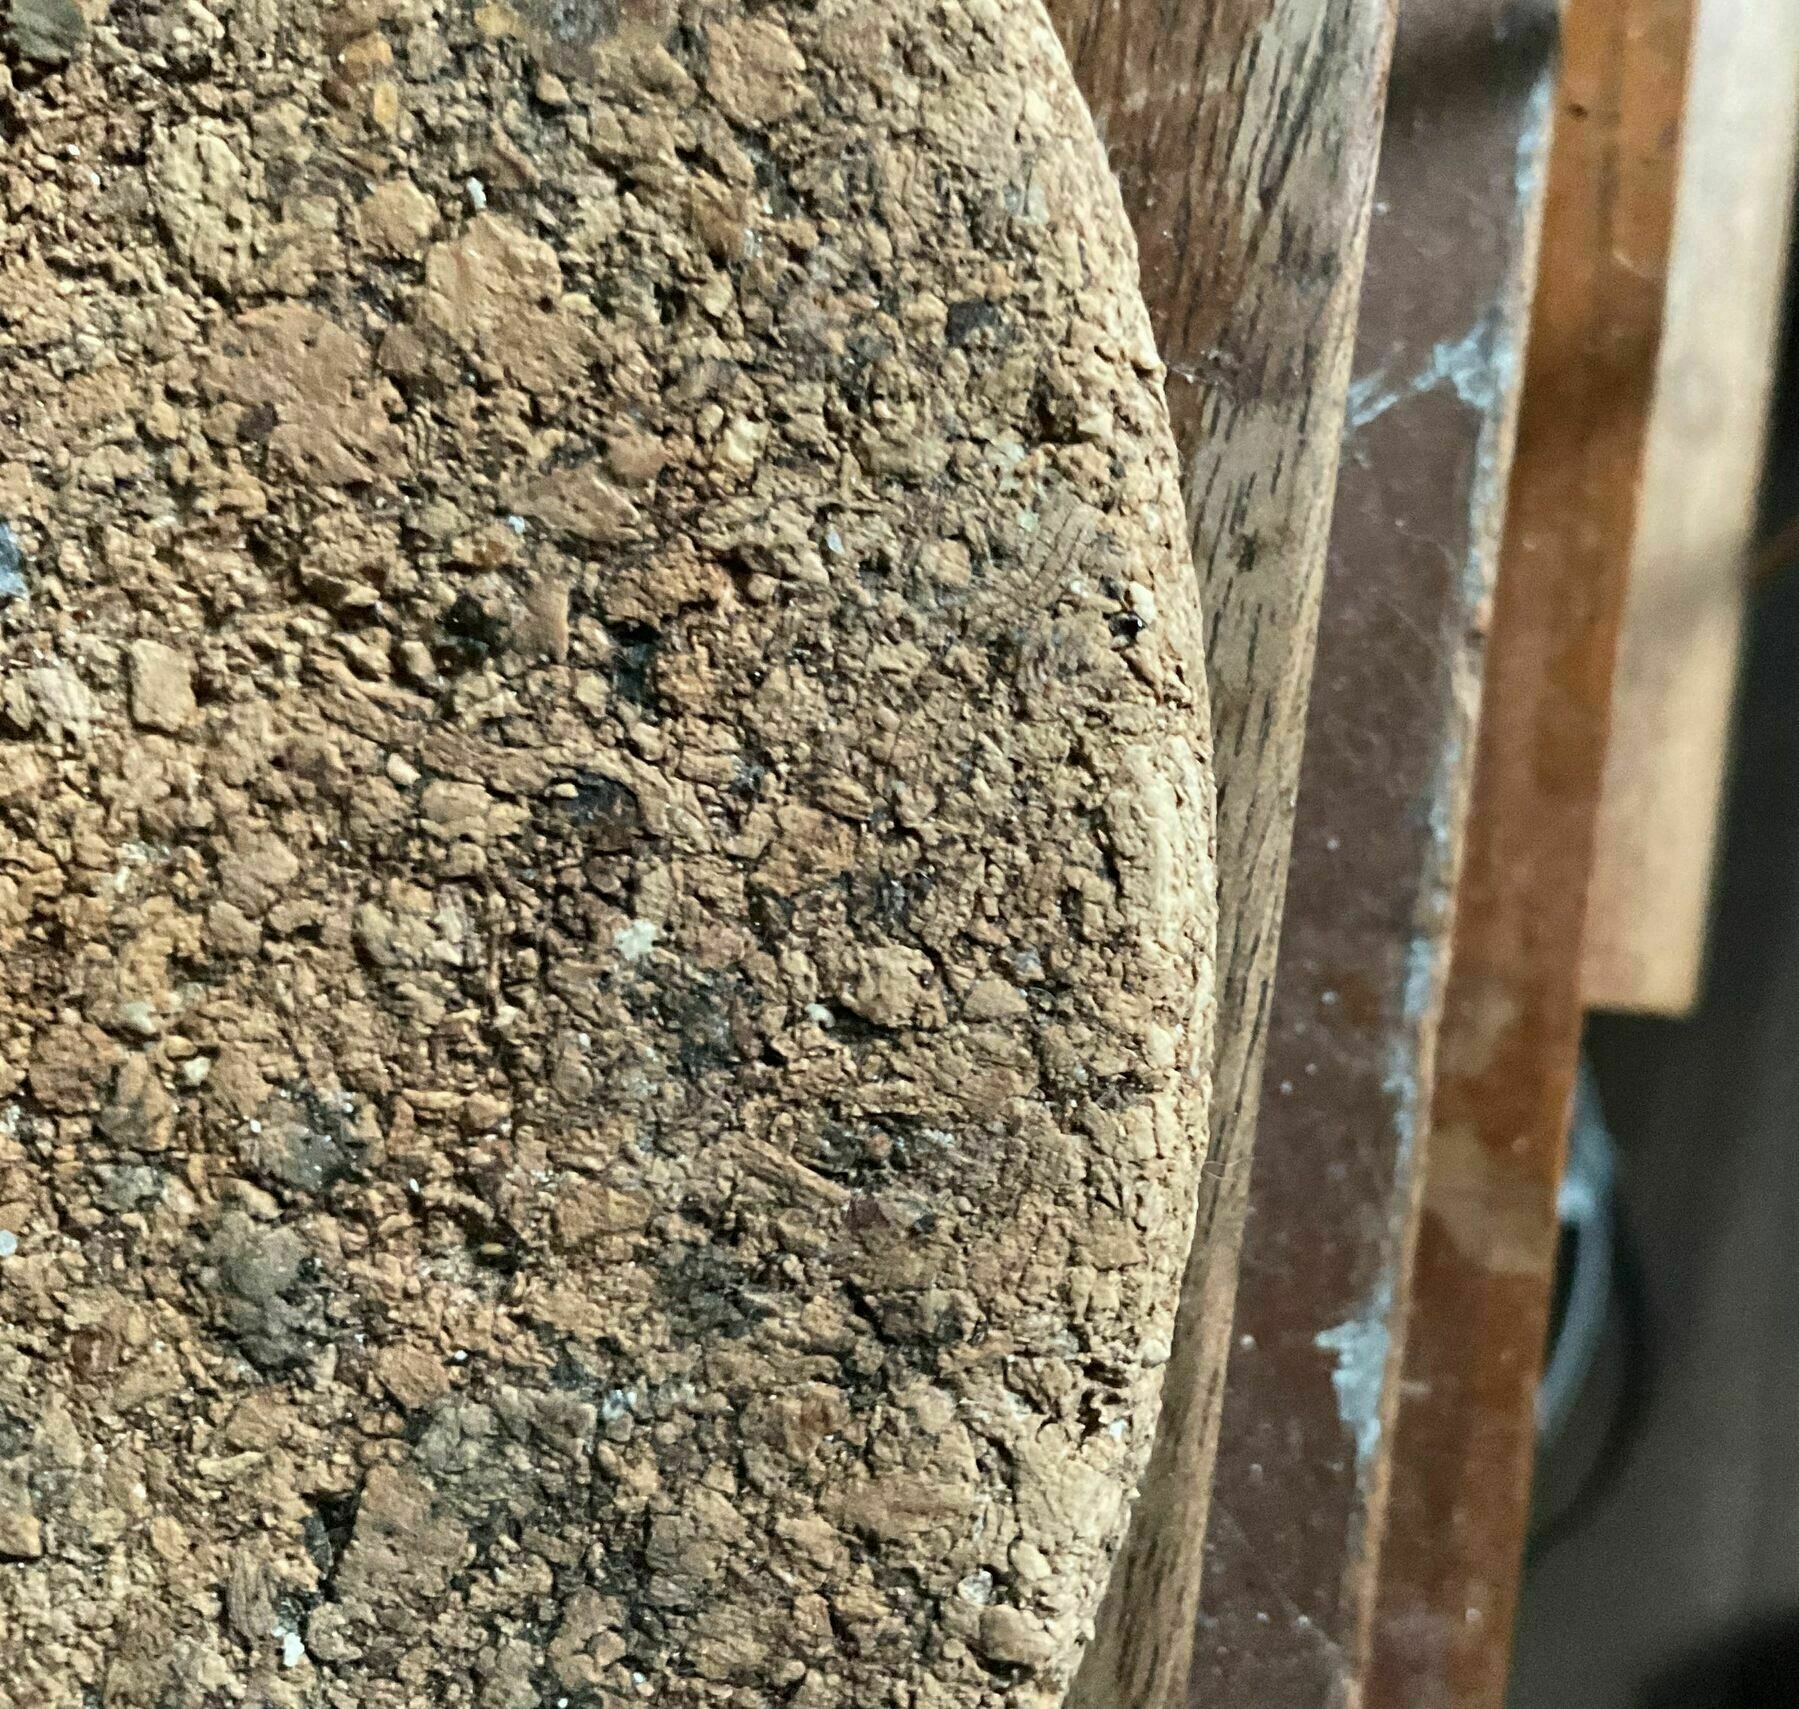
(605, 856)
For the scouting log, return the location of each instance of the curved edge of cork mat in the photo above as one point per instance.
(1244, 137)
(607, 889)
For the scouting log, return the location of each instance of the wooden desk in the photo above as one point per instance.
(1298, 1497)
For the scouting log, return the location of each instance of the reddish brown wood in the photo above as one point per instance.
(1463, 1440)
(1297, 1498)
(1244, 135)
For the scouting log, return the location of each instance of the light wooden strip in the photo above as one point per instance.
(1677, 660)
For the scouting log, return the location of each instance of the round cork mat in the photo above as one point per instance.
(605, 893)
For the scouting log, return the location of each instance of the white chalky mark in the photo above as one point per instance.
(12, 567)
(619, 1404)
(635, 941)
(1466, 364)
(1360, 1348)
(9, 1243)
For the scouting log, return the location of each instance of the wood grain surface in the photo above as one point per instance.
(1244, 136)
(1461, 1456)
(1683, 616)
(1297, 1496)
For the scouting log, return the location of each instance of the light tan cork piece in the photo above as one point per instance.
(606, 891)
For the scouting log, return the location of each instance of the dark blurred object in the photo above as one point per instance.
(1696, 1534)
(1757, 1668)
(1585, 1297)
(1598, 1381)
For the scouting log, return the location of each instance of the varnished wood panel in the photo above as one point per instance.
(1461, 1454)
